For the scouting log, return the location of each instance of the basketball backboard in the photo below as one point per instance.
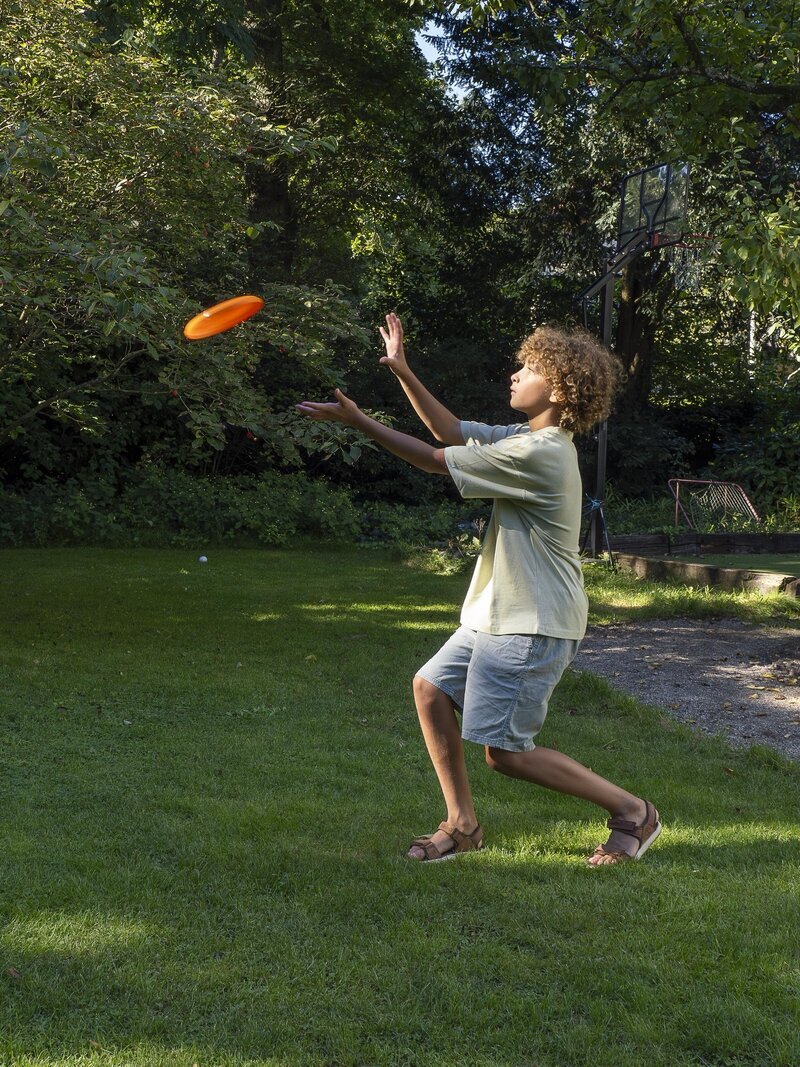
(653, 206)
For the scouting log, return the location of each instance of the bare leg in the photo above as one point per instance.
(554, 770)
(440, 729)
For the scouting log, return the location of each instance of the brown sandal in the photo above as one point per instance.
(645, 833)
(461, 843)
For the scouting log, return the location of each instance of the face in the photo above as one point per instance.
(531, 392)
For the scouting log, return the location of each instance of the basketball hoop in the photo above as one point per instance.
(688, 259)
(652, 214)
(653, 206)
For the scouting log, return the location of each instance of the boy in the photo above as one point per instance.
(525, 611)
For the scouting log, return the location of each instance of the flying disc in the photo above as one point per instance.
(222, 316)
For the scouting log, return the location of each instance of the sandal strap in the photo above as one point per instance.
(421, 842)
(463, 842)
(625, 826)
(638, 830)
(613, 854)
(431, 851)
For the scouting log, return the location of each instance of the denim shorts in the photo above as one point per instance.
(501, 683)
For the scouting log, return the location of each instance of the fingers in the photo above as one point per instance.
(316, 410)
(392, 335)
(306, 409)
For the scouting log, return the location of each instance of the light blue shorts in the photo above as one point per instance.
(501, 683)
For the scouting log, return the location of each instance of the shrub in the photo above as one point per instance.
(763, 455)
(643, 452)
(53, 513)
(637, 515)
(159, 506)
(407, 525)
(786, 516)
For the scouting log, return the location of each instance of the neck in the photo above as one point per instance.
(547, 418)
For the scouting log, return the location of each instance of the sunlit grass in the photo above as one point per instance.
(618, 597)
(210, 774)
(85, 932)
(782, 563)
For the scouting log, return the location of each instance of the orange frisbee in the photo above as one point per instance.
(222, 316)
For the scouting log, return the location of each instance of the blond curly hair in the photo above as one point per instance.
(583, 373)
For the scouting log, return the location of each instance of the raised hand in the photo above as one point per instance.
(341, 410)
(395, 358)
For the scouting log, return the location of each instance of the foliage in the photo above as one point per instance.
(627, 83)
(168, 506)
(638, 514)
(457, 557)
(644, 451)
(407, 525)
(762, 456)
(786, 516)
(156, 156)
(123, 205)
(163, 505)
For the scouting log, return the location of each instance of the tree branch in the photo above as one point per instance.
(690, 42)
(787, 94)
(6, 431)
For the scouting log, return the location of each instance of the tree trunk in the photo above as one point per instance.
(636, 329)
(272, 253)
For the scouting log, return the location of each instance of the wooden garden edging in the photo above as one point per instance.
(700, 544)
(643, 555)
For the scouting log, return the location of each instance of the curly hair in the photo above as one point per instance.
(583, 373)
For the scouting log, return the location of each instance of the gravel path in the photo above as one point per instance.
(717, 675)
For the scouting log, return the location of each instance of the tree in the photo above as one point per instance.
(713, 84)
(123, 205)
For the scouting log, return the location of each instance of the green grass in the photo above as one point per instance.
(210, 774)
(782, 563)
(618, 597)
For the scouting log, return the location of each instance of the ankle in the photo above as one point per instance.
(465, 821)
(631, 808)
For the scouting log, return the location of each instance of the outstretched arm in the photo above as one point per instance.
(418, 453)
(442, 423)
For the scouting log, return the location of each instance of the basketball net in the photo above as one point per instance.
(688, 260)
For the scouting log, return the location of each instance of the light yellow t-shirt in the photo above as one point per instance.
(528, 577)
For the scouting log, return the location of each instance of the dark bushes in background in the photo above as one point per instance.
(169, 507)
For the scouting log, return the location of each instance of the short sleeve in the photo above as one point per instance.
(487, 472)
(481, 433)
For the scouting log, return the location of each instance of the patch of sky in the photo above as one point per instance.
(426, 41)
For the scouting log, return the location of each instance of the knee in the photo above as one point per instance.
(425, 692)
(500, 759)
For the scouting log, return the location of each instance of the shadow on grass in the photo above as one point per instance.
(203, 829)
(302, 956)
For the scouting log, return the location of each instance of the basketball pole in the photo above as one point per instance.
(652, 213)
(598, 533)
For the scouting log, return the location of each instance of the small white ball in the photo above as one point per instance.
(203, 559)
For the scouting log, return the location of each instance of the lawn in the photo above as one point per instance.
(783, 564)
(210, 776)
